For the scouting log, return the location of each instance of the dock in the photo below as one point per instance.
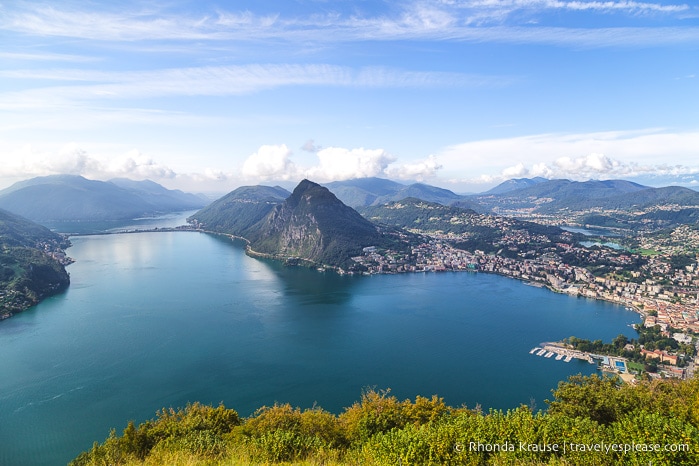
(548, 350)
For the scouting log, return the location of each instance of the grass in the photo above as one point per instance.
(647, 252)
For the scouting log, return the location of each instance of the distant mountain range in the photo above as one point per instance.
(377, 191)
(30, 265)
(514, 184)
(616, 203)
(74, 198)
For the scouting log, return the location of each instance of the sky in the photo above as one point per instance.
(462, 94)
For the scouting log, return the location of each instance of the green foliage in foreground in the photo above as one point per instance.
(591, 421)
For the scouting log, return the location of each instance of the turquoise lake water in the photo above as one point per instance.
(155, 320)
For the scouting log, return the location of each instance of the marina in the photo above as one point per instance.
(548, 350)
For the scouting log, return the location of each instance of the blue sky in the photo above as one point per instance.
(463, 94)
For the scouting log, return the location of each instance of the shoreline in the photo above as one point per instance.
(535, 283)
(301, 261)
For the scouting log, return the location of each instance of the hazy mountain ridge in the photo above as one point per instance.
(376, 191)
(514, 184)
(74, 198)
(610, 203)
(31, 263)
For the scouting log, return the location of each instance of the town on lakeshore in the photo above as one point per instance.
(650, 280)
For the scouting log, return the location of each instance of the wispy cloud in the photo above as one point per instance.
(477, 20)
(219, 81)
(47, 57)
(628, 6)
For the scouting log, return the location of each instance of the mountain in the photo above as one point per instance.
(74, 198)
(240, 209)
(514, 184)
(31, 263)
(610, 203)
(158, 195)
(314, 225)
(555, 195)
(363, 191)
(376, 191)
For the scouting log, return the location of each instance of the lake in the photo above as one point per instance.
(155, 320)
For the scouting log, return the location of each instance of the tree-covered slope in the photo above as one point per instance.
(473, 230)
(31, 263)
(429, 217)
(240, 209)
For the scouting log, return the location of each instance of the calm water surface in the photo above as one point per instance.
(154, 320)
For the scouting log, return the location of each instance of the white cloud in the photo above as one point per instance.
(136, 165)
(336, 163)
(606, 155)
(71, 159)
(419, 171)
(310, 146)
(270, 162)
(516, 171)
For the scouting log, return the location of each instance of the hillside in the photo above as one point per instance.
(312, 224)
(74, 198)
(240, 209)
(467, 229)
(31, 263)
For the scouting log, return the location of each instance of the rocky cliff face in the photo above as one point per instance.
(313, 224)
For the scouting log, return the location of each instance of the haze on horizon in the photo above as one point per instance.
(461, 94)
